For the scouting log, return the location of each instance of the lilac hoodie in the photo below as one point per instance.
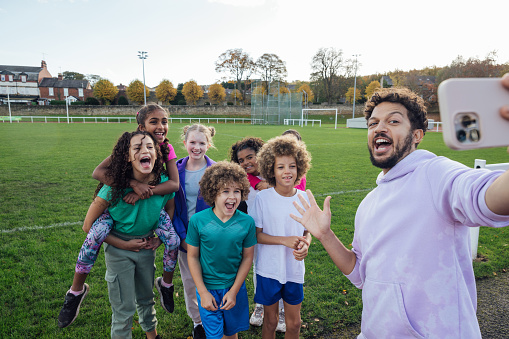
(413, 251)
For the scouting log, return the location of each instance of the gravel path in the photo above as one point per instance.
(492, 310)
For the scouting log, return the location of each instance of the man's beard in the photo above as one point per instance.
(399, 154)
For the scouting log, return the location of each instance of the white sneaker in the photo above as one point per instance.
(257, 316)
(281, 324)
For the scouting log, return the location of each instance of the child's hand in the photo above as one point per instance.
(302, 249)
(262, 185)
(208, 302)
(291, 242)
(131, 198)
(144, 191)
(134, 245)
(229, 301)
(153, 243)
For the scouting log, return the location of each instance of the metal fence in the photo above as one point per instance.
(73, 119)
(271, 103)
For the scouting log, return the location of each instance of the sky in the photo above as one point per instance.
(184, 38)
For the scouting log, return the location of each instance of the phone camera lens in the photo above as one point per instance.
(474, 135)
(461, 136)
(467, 121)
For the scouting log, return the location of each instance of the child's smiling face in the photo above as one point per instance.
(227, 201)
(285, 171)
(157, 125)
(247, 160)
(142, 154)
(196, 145)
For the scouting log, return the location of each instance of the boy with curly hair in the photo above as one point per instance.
(220, 251)
(282, 242)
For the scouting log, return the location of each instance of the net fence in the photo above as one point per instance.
(272, 103)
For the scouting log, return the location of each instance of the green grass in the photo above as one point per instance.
(45, 180)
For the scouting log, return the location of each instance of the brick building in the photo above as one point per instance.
(20, 83)
(60, 89)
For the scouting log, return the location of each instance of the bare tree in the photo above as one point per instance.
(326, 66)
(271, 68)
(238, 64)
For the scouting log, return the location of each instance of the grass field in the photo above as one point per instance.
(46, 188)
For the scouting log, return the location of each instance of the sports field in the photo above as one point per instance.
(46, 188)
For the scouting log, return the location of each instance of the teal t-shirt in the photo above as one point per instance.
(221, 245)
(139, 219)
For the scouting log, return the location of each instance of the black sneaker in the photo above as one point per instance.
(166, 294)
(199, 332)
(71, 307)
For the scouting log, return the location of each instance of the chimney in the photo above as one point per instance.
(43, 64)
(60, 77)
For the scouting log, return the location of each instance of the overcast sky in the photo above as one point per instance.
(184, 38)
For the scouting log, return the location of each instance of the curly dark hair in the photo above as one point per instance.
(281, 146)
(144, 113)
(120, 169)
(248, 142)
(417, 113)
(220, 174)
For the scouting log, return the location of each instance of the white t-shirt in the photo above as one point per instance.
(271, 212)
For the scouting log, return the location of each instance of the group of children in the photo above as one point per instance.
(208, 215)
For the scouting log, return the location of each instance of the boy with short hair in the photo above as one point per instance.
(220, 251)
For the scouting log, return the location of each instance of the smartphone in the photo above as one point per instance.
(469, 108)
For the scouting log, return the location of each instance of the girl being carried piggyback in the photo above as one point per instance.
(154, 120)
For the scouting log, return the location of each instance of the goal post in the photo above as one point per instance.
(320, 109)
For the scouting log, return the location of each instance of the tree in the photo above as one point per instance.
(105, 91)
(236, 96)
(309, 96)
(165, 91)
(371, 88)
(217, 94)
(326, 65)
(91, 101)
(271, 68)
(237, 63)
(349, 95)
(67, 75)
(92, 78)
(192, 92)
(135, 91)
(122, 100)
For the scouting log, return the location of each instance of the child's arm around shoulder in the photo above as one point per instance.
(172, 185)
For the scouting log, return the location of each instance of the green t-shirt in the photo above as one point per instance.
(139, 219)
(221, 245)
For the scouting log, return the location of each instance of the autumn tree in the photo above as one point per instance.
(217, 94)
(349, 95)
(238, 64)
(165, 91)
(271, 68)
(192, 92)
(371, 88)
(309, 96)
(326, 66)
(135, 91)
(236, 96)
(105, 91)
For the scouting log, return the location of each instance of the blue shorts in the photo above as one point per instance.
(225, 322)
(269, 291)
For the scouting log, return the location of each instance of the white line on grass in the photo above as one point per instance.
(343, 192)
(32, 228)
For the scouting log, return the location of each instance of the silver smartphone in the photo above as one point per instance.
(469, 109)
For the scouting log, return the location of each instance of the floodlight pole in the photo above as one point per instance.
(355, 84)
(143, 55)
